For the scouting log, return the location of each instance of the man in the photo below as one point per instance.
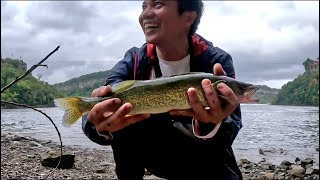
(190, 144)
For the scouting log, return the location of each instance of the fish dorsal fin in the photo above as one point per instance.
(122, 86)
(180, 74)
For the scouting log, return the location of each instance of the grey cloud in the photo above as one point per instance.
(95, 35)
(61, 15)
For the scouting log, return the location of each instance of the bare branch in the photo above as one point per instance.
(27, 106)
(29, 70)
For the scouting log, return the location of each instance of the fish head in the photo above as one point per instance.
(244, 91)
(248, 91)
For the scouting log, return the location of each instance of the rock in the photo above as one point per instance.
(306, 161)
(287, 163)
(247, 166)
(265, 166)
(51, 159)
(262, 160)
(297, 159)
(34, 144)
(297, 171)
(146, 172)
(309, 171)
(270, 176)
(107, 164)
(261, 152)
(244, 161)
(100, 171)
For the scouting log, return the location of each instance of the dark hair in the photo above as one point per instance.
(191, 5)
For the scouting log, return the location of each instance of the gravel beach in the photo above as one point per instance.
(22, 157)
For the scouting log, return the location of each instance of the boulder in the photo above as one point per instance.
(306, 161)
(51, 159)
(286, 163)
(297, 171)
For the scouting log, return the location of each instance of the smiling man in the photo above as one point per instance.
(191, 144)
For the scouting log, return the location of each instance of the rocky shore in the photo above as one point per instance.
(29, 158)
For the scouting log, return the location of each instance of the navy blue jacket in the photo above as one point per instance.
(157, 143)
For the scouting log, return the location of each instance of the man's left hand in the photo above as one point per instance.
(216, 110)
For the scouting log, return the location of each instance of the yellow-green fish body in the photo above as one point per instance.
(156, 95)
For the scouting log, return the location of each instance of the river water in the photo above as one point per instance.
(281, 132)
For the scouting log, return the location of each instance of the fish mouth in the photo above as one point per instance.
(248, 94)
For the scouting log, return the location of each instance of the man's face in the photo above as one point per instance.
(161, 22)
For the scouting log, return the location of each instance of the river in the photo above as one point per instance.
(282, 132)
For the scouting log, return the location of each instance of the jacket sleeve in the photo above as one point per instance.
(123, 70)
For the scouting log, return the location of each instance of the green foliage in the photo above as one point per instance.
(83, 85)
(29, 90)
(304, 91)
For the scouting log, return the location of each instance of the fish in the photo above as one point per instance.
(155, 96)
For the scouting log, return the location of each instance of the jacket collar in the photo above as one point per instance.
(199, 46)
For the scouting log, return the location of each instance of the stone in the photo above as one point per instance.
(287, 163)
(297, 159)
(265, 166)
(270, 176)
(261, 152)
(244, 161)
(100, 171)
(306, 161)
(51, 159)
(296, 171)
(309, 171)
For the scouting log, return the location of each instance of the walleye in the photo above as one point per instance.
(156, 95)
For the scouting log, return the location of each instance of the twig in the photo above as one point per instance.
(29, 70)
(27, 106)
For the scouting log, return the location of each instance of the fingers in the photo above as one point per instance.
(230, 97)
(210, 94)
(101, 91)
(196, 106)
(101, 110)
(218, 70)
(119, 119)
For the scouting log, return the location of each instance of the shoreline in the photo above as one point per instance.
(21, 158)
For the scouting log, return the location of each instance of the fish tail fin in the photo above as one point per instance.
(71, 107)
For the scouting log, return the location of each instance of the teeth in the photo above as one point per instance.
(150, 25)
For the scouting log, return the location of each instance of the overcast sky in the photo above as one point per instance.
(267, 40)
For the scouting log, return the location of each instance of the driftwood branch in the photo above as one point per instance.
(30, 70)
(27, 106)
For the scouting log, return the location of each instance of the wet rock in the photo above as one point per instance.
(244, 161)
(100, 171)
(296, 171)
(265, 166)
(286, 163)
(270, 176)
(261, 152)
(297, 159)
(51, 159)
(306, 161)
(262, 160)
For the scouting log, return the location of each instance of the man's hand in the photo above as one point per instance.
(110, 115)
(216, 110)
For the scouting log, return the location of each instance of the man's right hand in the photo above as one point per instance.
(110, 115)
